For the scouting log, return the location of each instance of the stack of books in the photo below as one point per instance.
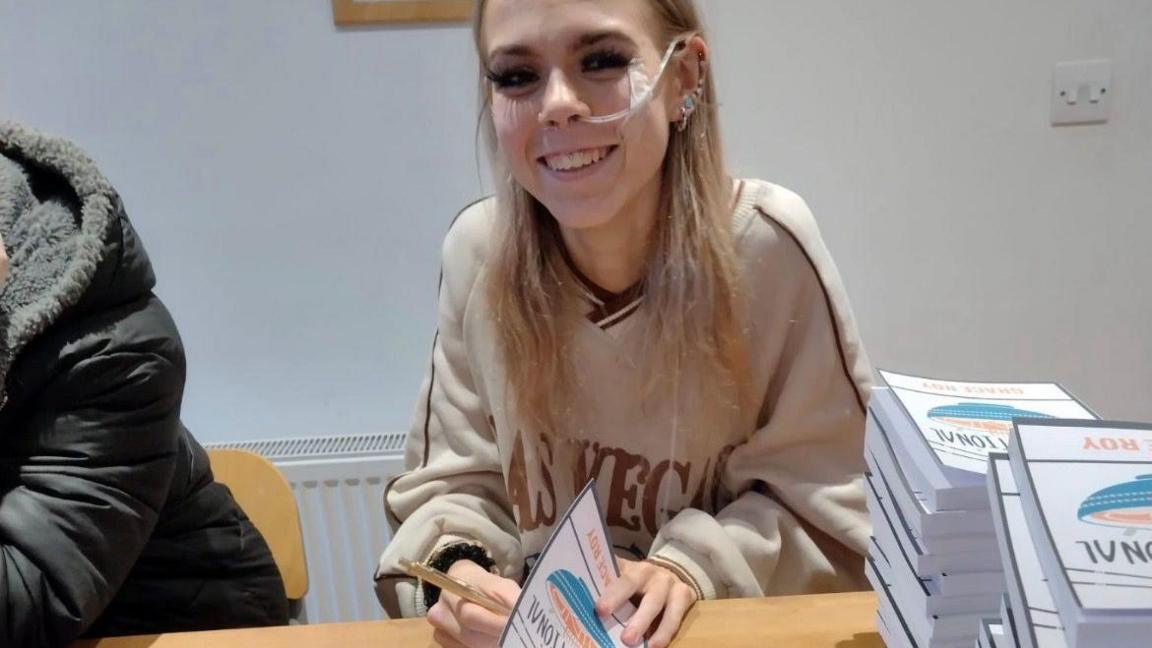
(1072, 503)
(1029, 615)
(935, 560)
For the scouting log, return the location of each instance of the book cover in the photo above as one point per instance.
(923, 519)
(962, 422)
(556, 606)
(1086, 490)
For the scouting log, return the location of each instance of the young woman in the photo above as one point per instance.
(623, 310)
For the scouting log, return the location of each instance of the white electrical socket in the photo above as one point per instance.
(1082, 92)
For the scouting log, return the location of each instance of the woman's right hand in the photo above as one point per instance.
(462, 624)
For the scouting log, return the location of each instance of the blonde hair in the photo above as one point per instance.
(692, 289)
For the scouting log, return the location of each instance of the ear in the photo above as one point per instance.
(690, 66)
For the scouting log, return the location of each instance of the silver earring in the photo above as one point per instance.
(686, 110)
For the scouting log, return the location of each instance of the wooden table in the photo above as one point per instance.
(817, 621)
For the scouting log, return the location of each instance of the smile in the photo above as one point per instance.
(577, 160)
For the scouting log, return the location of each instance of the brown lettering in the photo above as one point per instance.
(520, 493)
(623, 490)
(652, 491)
(581, 472)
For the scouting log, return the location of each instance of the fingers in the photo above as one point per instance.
(445, 627)
(664, 597)
(474, 617)
(656, 593)
(619, 591)
(459, 623)
(680, 600)
(506, 590)
(502, 588)
(452, 635)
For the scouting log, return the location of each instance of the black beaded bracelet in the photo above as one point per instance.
(445, 558)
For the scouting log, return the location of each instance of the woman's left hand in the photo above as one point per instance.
(660, 590)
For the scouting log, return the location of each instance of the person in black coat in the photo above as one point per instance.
(110, 521)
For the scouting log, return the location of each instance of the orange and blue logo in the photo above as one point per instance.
(981, 417)
(574, 605)
(1127, 505)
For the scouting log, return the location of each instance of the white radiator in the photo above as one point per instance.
(339, 487)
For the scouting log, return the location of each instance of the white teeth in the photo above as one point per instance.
(577, 160)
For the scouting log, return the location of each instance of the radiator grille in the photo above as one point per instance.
(339, 487)
(320, 447)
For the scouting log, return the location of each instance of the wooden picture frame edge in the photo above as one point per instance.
(347, 13)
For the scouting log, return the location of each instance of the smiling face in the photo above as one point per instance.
(553, 63)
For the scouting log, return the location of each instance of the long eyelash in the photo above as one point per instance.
(608, 59)
(508, 78)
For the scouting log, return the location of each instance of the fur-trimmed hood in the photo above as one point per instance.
(70, 246)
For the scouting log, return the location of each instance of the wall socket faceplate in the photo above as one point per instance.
(1082, 92)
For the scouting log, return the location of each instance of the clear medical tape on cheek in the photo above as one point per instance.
(641, 86)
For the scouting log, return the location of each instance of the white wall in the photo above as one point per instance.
(976, 239)
(292, 182)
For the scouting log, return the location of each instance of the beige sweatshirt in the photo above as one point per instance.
(770, 504)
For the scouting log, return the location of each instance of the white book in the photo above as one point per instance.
(893, 627)
(1008, 621)
(891, 633)
(916, 597)
(937, 632)
(883, 628)
(924, 520)
(943, 488)
(992, 634)
(959, 542)
(921, 597)
(981, 555)
(1038, 625)
(949, 544)
(1086, 489)
(954, 425)
(960, 583)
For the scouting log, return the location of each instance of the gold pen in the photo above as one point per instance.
(458, 587)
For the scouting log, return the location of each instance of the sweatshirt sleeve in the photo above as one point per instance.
(453, 488)
(797, 522)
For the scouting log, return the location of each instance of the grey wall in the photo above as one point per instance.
(293, 181)
(976, 239)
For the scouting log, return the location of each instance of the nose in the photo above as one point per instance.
(561, 103)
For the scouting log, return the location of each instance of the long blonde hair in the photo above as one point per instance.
(692, 287)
